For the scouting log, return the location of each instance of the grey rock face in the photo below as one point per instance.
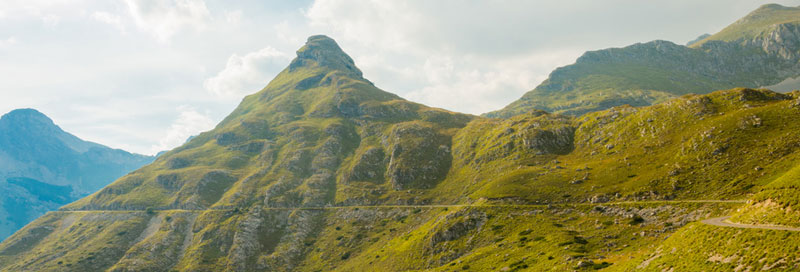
(325, 52)
(782, 40)
(458, 225)
(370, 166)
(556, 141)
(419, 157)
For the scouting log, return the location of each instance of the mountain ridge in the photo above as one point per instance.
(321, 170)
(754, 23)
(42, 167)
(652, 72)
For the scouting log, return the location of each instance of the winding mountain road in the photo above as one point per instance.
(723, 222)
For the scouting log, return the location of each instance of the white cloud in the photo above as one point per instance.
(233, 17)
(8, 42)
(190, 122)
(165, 18)
(287, 34)
(110, 19)
(246, 74)
(51, 20)
(380, 24)
(476, 85)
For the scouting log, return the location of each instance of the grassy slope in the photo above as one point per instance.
(709, 142)
(490, 238)
(694, 147)
(755, 23)
(699, 247)
(776, 203)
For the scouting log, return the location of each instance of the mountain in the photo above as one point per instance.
(323, 171)
(699, 38)
(761, 49)
(43, 167)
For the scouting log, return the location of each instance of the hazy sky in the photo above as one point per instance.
(143, 75)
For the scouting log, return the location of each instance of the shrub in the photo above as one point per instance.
(602, 265)
(636, 219)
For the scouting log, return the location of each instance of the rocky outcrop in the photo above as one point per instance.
(169, 181)
(178, 163)
(419, 157)
(781, 40)
(161, 244)
(324, 52)
(555, 141)
(370, 165)
(455, 226)
(458, 225)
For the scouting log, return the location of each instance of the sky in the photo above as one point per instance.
(144, 75)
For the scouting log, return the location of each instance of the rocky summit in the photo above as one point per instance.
(323, 171)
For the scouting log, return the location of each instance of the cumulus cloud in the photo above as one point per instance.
(189, 122)
(243, 75)
(165, 18)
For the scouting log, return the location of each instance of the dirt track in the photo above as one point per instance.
(723, 222)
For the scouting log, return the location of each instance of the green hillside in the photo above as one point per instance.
(761, 49)
(756, 24)
(322, 171)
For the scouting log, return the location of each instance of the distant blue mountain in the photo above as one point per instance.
(42, 167)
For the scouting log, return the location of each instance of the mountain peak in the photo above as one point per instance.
(322, 51)
(756, 24)
(767, 12)
(772, 6)
(29, 116)
(323, 41)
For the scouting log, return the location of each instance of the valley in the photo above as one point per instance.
(652, 157)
